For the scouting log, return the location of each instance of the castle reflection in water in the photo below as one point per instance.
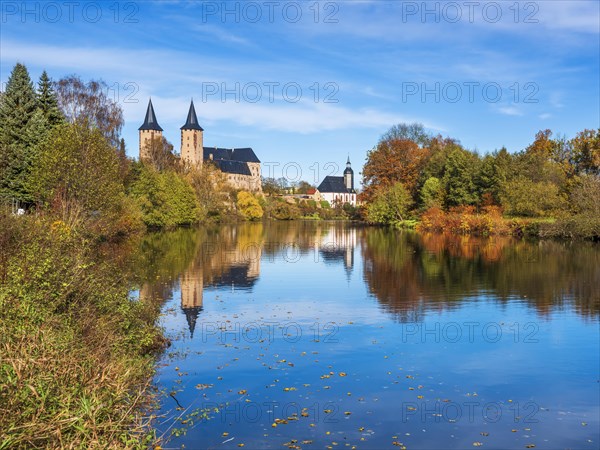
(407, 273)
(231, 258)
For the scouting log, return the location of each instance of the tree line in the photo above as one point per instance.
(62, 154)
(411, 174)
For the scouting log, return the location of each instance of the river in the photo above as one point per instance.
(326, 334)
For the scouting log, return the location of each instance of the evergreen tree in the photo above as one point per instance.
(17, 107)
(47, 100)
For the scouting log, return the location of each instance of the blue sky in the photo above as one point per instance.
(361, 66)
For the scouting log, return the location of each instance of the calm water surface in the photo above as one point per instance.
(327, 335)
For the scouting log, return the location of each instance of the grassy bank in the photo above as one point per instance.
(76, 353)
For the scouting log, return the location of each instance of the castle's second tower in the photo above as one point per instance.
(192, 139)
(149, 130)
(349, 176)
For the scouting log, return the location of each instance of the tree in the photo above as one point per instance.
(89, 104)
(459, 178)
(303, 187)
(212, 190)
(390, 205)
(17, 136)
(393, 161)
(76, 173)
(166, 199)
(47, 100)
(586, 151)
(270, 186)
(248, 206)
(160, 154)
(414, 132)
(524, 197)
(432, 193)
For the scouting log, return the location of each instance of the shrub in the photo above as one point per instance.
(248, 206)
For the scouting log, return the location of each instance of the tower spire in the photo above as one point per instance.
(150, 122)
(192, 120)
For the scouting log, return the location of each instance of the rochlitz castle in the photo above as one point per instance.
(240, 166)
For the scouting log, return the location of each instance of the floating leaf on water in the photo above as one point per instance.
(342, 374)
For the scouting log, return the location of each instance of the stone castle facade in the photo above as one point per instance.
(240, 166)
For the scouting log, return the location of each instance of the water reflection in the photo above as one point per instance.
(408, 273)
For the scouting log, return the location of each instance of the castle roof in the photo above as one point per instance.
(235, 167)
(150, 123)
(335, 185)
(245, 154)
(192, 120)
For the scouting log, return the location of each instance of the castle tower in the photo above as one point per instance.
(149, 130)
(349, 176)
(192, 140)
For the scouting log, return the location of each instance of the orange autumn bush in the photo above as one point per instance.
(465, 220)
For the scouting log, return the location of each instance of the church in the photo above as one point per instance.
(339, 189)
(240, 166)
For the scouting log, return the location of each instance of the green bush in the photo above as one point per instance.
(77, 353)
(166, 199)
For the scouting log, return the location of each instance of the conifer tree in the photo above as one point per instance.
(17, 107)
(47, 100)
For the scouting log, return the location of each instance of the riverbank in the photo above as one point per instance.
(77, 352)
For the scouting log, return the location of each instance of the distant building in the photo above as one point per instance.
(241, 166)
(339, 189)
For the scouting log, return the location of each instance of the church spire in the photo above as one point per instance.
(150, 123)
(192, 121)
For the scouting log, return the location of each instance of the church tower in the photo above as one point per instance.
(349, 176)
(192, 140)
(149, 130)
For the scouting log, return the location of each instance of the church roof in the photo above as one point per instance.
(348, 168)
(150, 123)
(245, 154)
(192, 120)
(335, 185)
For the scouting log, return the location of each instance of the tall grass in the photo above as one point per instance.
(76, 354)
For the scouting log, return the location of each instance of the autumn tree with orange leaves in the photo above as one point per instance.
(396, 159)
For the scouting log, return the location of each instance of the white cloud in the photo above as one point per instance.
(510, 111)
